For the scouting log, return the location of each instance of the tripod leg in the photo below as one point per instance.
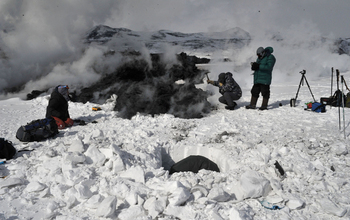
(301, 81)
(309, 89)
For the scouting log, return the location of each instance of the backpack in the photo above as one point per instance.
(318, 107)
(338, 98)
(37, 130)
(347, 104)
(7, 151)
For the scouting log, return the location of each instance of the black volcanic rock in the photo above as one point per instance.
(153, 89)
(34, 94)
(343, 46)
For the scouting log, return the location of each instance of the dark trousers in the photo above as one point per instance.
(228, 98)
(260, 88)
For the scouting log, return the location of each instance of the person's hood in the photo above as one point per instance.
(63, 90)
(221, 78)
(269, 50)
(224, 76)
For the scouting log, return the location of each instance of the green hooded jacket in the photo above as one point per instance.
(264, 74)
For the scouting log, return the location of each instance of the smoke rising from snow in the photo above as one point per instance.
(41, 41)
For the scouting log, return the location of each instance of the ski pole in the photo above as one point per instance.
(342, 90)
(332, 86)
(338, 98)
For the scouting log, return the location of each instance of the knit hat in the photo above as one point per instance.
(63, 90)
(260, 51)
(222, 78)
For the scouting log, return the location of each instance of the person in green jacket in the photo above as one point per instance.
(262, 77)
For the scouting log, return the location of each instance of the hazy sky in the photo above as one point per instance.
(251, 15)
(45, 36)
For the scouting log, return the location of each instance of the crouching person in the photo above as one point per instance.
(229, 90)
(58, 107)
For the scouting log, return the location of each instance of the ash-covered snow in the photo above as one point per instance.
(118, 168)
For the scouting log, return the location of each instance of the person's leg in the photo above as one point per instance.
(229, 97)
(222, 99)
(254, 98)
(265, 92)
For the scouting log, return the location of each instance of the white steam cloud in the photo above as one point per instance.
(41, 41)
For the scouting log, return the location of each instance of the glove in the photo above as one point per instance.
(59, 122)
(255, 66)
(69, 122)
(210, 81)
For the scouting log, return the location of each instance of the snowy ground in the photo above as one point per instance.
(117, 168)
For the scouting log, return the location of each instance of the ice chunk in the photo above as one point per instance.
(254, 185)
(11, 182)
(135, 173)
(218, 194)
(332, 208)
(107, 207)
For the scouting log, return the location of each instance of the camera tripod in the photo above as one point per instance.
(303, 78)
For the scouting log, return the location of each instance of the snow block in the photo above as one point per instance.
(35, 186)
(94, 201)
(83, 192)
(155, 206)
(133, 212)
(332, 208)
(295, 204)
(95, 156)
(339, 148)
(107, 207)
(118, 164)
(240, 214)
(134, 173)
(11, 182)
(181, 212)
(218, 194)
(179, 193)
(75, 157)
(254, 185)
(76, 146)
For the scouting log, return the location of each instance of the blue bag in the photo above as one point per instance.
(37, 130)
(318, 107)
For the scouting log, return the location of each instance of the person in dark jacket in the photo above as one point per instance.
(229, 89)
(262, 77)
(58, 107)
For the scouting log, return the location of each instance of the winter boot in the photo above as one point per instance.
(252, 104)
(231, 107)
(264, 104)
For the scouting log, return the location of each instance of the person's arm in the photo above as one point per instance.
(268, 65)
(53, 105)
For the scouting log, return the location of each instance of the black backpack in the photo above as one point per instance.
(7, 151)
(338, 99)
(37, 130)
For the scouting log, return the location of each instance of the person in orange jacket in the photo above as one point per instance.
(58, 107)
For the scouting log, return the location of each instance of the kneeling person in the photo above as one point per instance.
(58, 107)
(229, 89)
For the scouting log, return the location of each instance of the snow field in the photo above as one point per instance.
(117, 168)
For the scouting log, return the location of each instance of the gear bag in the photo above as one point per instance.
(7, 150)
(318, 107)
(37, 130)
(338, 99)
